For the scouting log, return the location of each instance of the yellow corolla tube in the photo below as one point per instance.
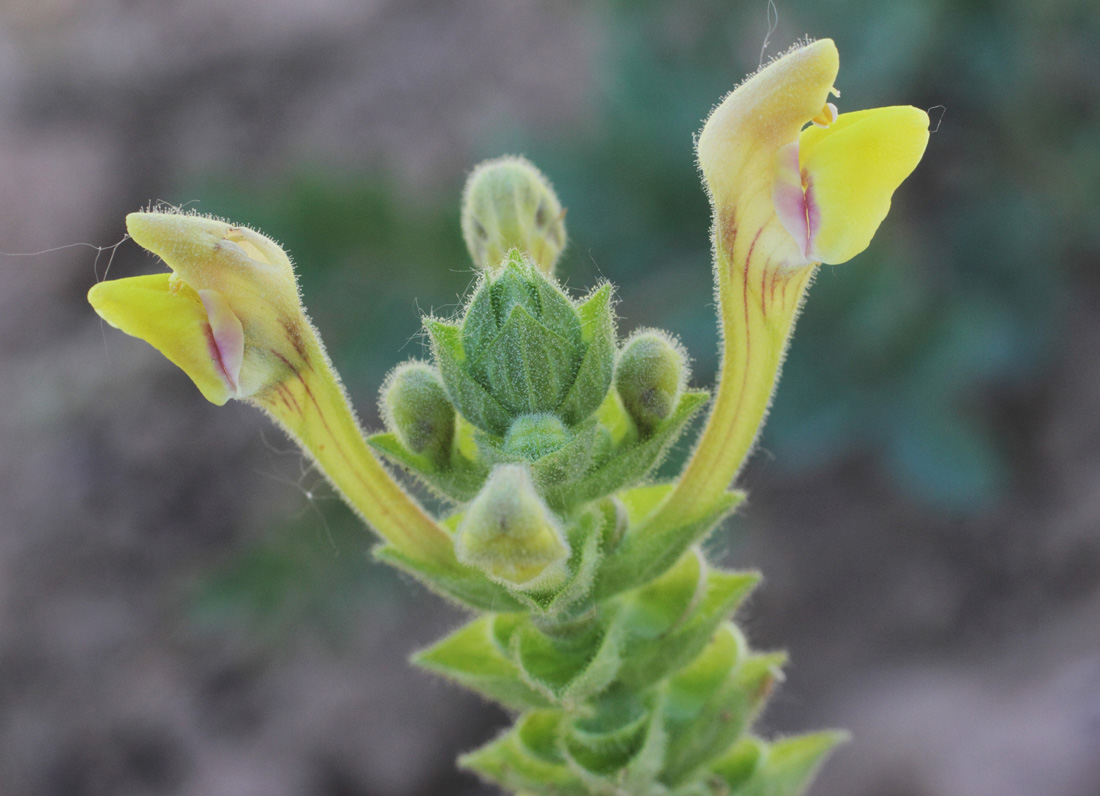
(229, 315)
(792, 184)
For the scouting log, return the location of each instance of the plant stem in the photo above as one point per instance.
(759, 302)
(313, 408)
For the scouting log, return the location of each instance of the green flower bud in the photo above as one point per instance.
(509, 204)
(650, 376)
(415, 407)
(509, 534)
(534, 436)
(523, 347)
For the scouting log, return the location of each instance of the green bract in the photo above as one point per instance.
(524, 347)
(529, 371)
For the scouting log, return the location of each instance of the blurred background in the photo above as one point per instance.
(185, 609)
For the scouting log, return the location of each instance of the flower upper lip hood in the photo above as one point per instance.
(211, 254)
(229, 314)
(808, 194)
(739, 145)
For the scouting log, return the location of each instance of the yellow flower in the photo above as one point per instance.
(228, 315)
(778, 159)
(792, 185)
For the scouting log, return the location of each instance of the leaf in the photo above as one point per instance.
(555, 471)
(567, 670)
(631, 464)
(471, 399)
(622, 760)
(651, 658)
(713, 700)
(613, 416)
(556, 311)
(781, 768)
(737, 767)
(528, 366)
(479, 326)
(459, 484)
(641, 501)
(593, 379)
(642, 771)
(471, 657)
(651, 611)
(511, 287)
(601, 749)
(585, 535)
(646, 551)
(464, 585)
(526, 758)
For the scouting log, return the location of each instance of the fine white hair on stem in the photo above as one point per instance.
(773, 23)
(939, 120)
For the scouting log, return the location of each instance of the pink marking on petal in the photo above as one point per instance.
(813, 220)
(226, 336)
(789, 197)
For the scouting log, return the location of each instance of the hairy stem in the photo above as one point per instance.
(313, 408)
(759, 301)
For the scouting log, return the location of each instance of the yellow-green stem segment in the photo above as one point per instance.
(313, 408)
(759, 300)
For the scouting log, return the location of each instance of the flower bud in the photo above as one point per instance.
(510, 535)
(522, 348)
(534, 436)
(415, 407)
(650, 376)
(507, 204)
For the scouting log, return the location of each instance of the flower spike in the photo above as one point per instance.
(602, 620)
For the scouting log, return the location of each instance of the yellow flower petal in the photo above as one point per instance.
(850, 171)
(173, 318)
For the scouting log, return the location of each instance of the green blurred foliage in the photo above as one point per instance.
(901, 354)
(311, 570)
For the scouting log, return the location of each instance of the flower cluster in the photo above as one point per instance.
(600, 620)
